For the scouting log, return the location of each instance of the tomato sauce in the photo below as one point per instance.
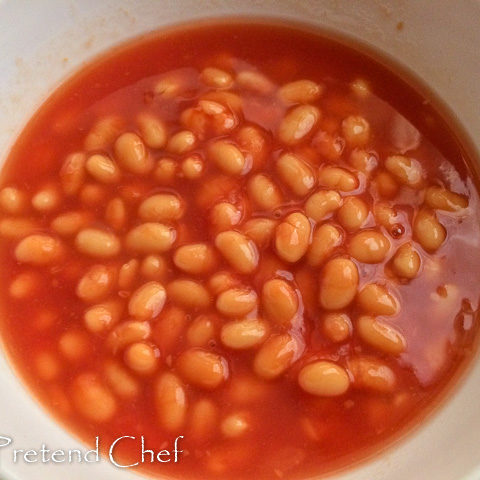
(283, 431)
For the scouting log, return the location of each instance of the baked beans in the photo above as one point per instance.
(227, 234)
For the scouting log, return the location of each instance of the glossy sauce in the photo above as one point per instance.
(291, 433)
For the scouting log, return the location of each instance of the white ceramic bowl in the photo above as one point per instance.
(43, 42)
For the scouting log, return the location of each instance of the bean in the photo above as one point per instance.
(201, 331)
(116, 213)
(371, 374)
(165, 171)
(337, 327)
(39, 249)
(132, 155)
(216, 78)
(386, 185)
(235, 425)
(121, 381)
(322, 204)
(197, 121)
(337, 179)
(324, 378)
(279, 301)
(195, 258)
(369, 246)
(406, 261)
(170, 86)
(72, 174)
(93, 195)
(182, 142)
(252, 140)
(292, 237)
(353, 213)
(170, 401)
(298, 123)
(203, 419)
(211, 108)
(222, 281)
(236, 302)
(338, 284)
(356, 131)
(93, 399)
(100, 318)
(360, 88)
(326, 238)
(407, 171)
(96, 283)
(128, 274)
(103, 169)
(386, 215)
(24, 285)
(275, 356)
(260, 230)
(134, 190)
(142, 358)
(162, 207)
(377, 300)
(228, 99)
(264, 193)
(103, 133)
(127, 333)
(152, 130)
(244, 334)
(74, 345)
(12, 201)
(154, 267)
(202, 368)
(364, 161)
(193, 167)
(380, 335)
(69, 223)
(47, 366)
(255, 82)
(330, 147)
(300, 91)
(97, 243)
(238, 250)
(227, 157)
(245, 389)
(169, 328)
(150, 237)
(224, 216)
(295, 174)
(215, 189)
(440, 198)
(147, 301)
(46, 200)
(428, 231)
(188, 294)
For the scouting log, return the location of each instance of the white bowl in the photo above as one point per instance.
(43, 42)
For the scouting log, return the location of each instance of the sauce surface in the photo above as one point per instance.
(348, 335)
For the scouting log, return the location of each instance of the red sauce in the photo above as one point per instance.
(290, 433)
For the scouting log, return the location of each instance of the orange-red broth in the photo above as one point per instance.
(290, 434)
